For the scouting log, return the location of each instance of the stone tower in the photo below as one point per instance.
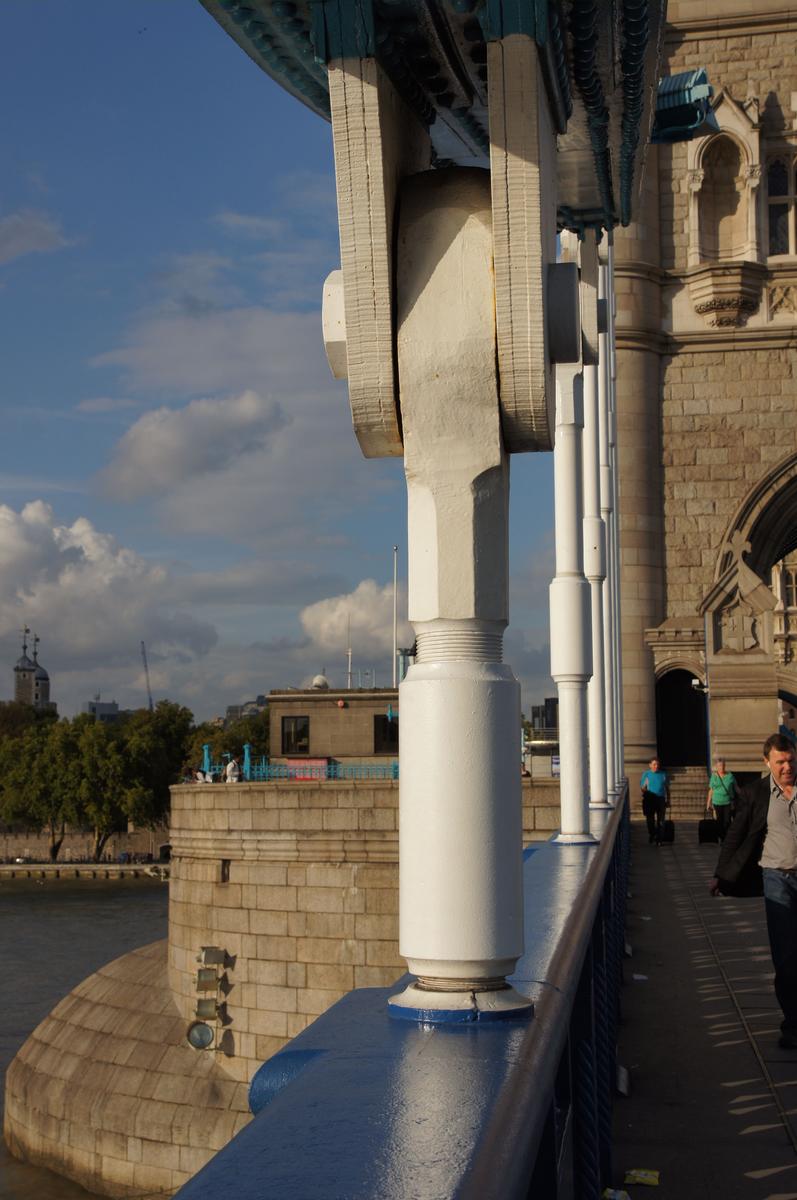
(24, 672)
(707, 412)
(31, 681)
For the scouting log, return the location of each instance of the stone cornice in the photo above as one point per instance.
(710, 341)
(643, 339)
(729, 26)
(779, 338)
(635, 269)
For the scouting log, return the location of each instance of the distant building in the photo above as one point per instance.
(31, 681)
(545, 716)
(349, 724)
(249, 708)
(102, 710)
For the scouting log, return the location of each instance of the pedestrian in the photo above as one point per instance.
(760, 853)
(722, 793)
(655, 798)
(232, 772)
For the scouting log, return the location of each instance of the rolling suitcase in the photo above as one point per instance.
(667, 832)
(708, 831)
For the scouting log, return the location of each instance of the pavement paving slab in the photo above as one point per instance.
(713, 1099)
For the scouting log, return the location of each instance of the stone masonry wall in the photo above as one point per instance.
(298, 884)
(758, 64)
(727, 419)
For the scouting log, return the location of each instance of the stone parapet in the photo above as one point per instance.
(298, 884)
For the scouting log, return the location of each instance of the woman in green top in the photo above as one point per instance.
(721, 794)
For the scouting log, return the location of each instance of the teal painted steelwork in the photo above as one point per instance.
(504, 17)
(435, 54)
(683, 107)
(262, 771)
(635, 38)
(344, 29)
(584, 31)
(265, 772)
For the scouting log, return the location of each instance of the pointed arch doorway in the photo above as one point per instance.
(680, 720)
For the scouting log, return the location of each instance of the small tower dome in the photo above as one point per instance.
(320, 683)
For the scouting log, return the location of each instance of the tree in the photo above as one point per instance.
(104, 780)
(155, 747)
(17, 717)
(40, 772)
(231, 739)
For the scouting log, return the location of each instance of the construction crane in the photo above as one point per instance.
(146, 675)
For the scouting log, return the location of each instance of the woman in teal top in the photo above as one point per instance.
(721, 794)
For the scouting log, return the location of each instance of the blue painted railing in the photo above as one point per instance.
(332, 770)
(363, 1106)
(261, 770)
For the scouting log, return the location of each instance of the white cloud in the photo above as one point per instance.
(293, 487)
(369, 609)
(166, 447)
(89, 598)
(105, 404)
(256, 227)
(220, 352)
(197, 283)
(29, 232)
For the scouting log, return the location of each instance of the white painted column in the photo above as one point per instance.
(606, 511)
(595, 571)
(615, 477)
(570, 606)
(460, 828)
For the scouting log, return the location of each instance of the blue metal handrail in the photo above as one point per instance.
(361, 1105)
(262, 771)
(331, 770)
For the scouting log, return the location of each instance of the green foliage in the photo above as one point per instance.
(85, 772)
(41, 775)
(230, 740)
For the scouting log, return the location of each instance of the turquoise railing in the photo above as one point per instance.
(262, 771)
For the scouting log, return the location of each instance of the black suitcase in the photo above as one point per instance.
(708, 831)
(667, 832)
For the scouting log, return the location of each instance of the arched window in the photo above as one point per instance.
(781, 206)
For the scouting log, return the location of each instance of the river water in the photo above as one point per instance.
(54, 933)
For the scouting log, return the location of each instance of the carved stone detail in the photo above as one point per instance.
(782, 298)
(726, 293)
(736, 627)
(695, 180)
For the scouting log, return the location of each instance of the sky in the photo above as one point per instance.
(178, 465)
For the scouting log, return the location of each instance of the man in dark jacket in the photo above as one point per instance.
(761, 847)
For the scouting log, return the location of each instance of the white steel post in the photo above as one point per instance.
(606, 509)
(595, 570)
(615, 474)
(460, 829)
(569, 599)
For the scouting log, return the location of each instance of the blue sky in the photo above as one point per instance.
(178, 464)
